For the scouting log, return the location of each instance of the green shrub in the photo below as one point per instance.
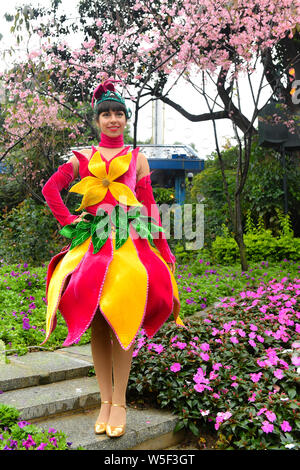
(259, 242)
(233, 373)
(21, 435)
(29, 233)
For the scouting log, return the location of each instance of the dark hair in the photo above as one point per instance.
(109, 105)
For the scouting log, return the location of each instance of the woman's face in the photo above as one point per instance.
(112, 123)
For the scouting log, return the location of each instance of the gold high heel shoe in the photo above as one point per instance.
(116, 431)
(100, 428)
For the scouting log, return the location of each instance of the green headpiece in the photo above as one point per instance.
(106, 92)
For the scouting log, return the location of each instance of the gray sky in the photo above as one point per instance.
(176, 127)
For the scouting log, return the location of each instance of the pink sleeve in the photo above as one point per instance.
(144, 194)
(51, 192)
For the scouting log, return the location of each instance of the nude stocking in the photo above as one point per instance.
(110, 360)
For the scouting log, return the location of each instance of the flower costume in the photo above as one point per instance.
(117, 259)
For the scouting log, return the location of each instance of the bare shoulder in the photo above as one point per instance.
(142, 166)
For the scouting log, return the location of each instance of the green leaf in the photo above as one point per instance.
(80, 239)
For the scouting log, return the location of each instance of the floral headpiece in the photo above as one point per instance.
(106, 92)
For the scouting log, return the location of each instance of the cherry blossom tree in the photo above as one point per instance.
(214, 46)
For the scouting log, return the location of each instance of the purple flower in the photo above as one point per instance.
(53, 441)
(42, 446)
(29, 442)
(21, 424)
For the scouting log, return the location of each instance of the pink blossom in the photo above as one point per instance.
(296, 361)
(252, 343)
(261, 363)
(262, 410)
(180, 345)
(285, 426)
(270, 415)
(234, 340)
(204, 356)
(260, 338)
(175, 367)
(267, 427)
(252, 398)
(204, 346)
(278, 373)
(256, 377)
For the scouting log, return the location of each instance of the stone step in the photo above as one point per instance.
(53, 390)
(42, 401)
(147, 429)
(43, 367)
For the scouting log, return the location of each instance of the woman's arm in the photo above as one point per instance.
(51, 191)
(144, 194)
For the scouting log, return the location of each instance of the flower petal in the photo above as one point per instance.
(97, 166)
(94, 195)
(123, 194)
(84, 185)
(118, 166)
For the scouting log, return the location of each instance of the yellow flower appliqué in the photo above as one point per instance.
(94, 188)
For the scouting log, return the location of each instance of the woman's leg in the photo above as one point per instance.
(121, 368)
(101, 345)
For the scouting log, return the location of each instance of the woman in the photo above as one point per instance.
(111, 277)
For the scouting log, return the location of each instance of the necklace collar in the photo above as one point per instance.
(111, 142)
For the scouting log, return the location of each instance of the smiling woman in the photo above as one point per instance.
(117, 276)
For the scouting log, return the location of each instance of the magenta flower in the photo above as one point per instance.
(296, 361)
(252, 398)
(42, 446)
(252, 343)
(278, 373)
(29, 442)
(262, 410)
(204, 346)
(256, 377)
(285, 426)
(175, 367)
(234, 340)
(53, 441)
(204, 356)
(270, 415)
(267, 427)
(260, 338)
(180, 345)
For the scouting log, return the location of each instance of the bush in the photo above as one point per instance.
(234, 372)
(259, 242)
(29, 233)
